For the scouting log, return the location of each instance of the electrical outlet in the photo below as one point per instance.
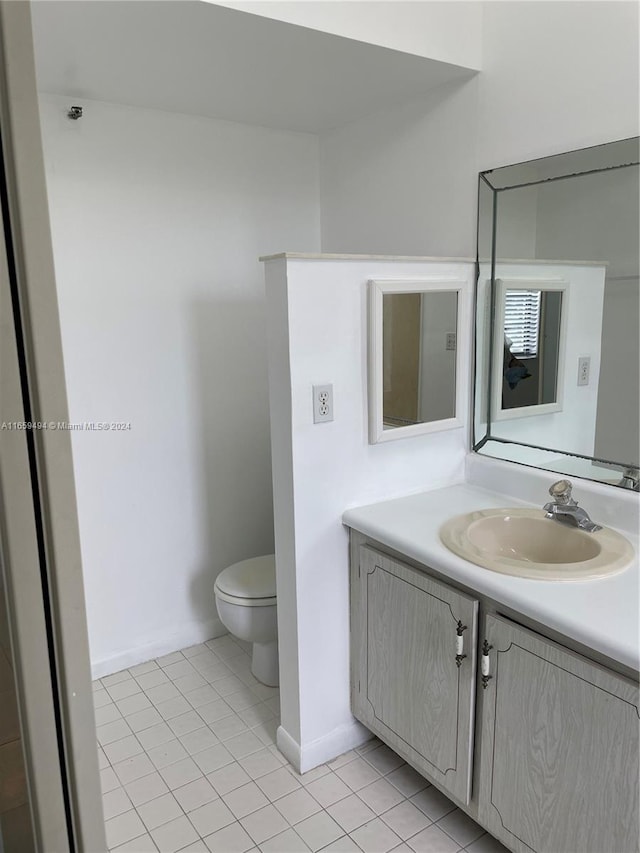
(322, 403)
(451, 341)
(584, 365)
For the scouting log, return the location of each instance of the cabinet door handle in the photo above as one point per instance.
(460, 629)
(485, 664)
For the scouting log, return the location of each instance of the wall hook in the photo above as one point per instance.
(74, 113)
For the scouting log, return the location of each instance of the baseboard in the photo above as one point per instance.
(289, 747)
(189, 635)
(306, 757)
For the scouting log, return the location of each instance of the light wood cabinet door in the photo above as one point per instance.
(559, 748)
(408, 686)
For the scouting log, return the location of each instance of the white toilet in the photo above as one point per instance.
(246, 601)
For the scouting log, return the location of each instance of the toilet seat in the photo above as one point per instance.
(249, 583)
(246, 602)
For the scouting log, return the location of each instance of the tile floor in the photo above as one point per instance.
(16, 832)
(188, 762)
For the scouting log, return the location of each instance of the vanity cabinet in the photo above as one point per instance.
(413, 667)
(557, 751)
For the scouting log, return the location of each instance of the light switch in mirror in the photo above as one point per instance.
(415, 357)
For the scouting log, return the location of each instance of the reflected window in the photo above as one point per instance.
(531, 348)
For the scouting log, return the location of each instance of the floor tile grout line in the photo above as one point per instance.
(277, 799)
(128, 675)
(253, 776)
(185, 694)
(168, 720)
(196, 711)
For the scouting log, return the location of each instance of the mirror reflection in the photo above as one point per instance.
(531, 348)
(558, 373)
(417, 354)
(418, 357)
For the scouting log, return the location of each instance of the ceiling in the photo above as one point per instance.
(193, 57)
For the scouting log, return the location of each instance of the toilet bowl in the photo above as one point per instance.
(246, 601)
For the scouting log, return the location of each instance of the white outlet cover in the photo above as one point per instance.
(584, 369)
(322, 403)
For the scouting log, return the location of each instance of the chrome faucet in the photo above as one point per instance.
(564, 509)
(630, 479)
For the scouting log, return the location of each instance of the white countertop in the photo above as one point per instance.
(326, 256)
(602, 614)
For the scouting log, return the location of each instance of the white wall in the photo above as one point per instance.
(317, 335)
(555, 77)
(158, 220)
(448, 32)
(404, 181)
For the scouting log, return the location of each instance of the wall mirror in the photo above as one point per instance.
(558, 300)
(414, 357)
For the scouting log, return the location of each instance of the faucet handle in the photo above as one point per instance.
(560, 491)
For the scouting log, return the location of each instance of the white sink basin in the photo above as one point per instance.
(523, 542)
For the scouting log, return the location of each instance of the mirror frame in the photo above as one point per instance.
(616, 154)
(556, 285)
(377, 290)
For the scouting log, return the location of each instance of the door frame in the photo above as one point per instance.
(38, 513)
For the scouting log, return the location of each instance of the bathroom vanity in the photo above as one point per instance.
(518, 698)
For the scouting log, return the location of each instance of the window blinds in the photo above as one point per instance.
(522, 321)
